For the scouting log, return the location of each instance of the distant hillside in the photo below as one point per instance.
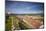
(25, 14)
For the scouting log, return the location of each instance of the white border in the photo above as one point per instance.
(28, 0)
(2, 14)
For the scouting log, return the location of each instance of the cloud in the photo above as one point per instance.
(25, 12)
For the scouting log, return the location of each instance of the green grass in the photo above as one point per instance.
(8, 23)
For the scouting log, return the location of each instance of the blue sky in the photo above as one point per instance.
(18, 7)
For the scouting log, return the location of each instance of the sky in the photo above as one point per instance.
(19, 7)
